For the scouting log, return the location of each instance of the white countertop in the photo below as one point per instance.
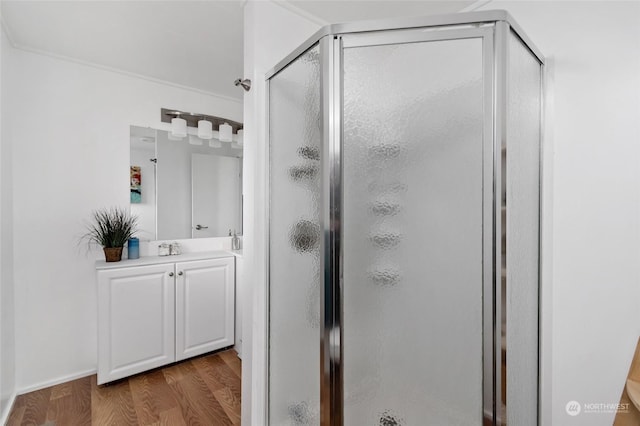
(154, 260)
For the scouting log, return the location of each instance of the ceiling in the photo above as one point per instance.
(197, 44)
(334, 12)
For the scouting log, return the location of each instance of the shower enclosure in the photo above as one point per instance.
(404, 188)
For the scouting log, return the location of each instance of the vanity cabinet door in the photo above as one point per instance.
(204, 306)
(136, 313)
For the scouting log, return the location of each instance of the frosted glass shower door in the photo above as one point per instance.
(413, 153)
(294, 243)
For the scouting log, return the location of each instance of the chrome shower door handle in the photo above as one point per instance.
(199, 227)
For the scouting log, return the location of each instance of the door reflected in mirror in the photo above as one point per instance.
(184, 188)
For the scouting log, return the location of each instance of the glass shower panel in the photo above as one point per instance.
(522, 233)
(413, 223)
(294, 257)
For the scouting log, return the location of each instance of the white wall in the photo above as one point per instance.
(593, 133)
(271, 32)
(70, 126)
(7, 312)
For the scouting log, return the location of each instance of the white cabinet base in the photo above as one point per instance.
(153, 315)
(135, 320)
(204, 306)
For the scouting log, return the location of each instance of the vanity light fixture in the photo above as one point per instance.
(178, 126)
(226, 132)
(205, 129)
(240, 139)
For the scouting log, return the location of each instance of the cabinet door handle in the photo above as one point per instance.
(170, 274)
(180, 273)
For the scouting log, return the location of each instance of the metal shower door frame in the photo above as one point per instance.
(494, 28)
(332, 408)
(331, 348)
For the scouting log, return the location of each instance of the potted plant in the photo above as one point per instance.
(111, 228)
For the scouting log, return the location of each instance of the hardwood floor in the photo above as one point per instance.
(200, 391)
(628, 414)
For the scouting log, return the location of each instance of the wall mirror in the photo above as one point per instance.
(185, 188)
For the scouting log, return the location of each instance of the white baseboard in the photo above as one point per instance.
(8, 408)
(56, 381)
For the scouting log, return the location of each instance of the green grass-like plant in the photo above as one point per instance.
(111, 227)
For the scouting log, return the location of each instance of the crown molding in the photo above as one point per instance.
(123, 72)
(476, 5)
(7, 31)
(286, 4)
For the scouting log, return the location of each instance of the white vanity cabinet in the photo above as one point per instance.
(136, 325)
(153, 315)
(204, 306)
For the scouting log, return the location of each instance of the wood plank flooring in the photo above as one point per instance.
(629, 415)
(200, 391)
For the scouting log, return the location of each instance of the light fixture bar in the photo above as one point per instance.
(167, 114)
